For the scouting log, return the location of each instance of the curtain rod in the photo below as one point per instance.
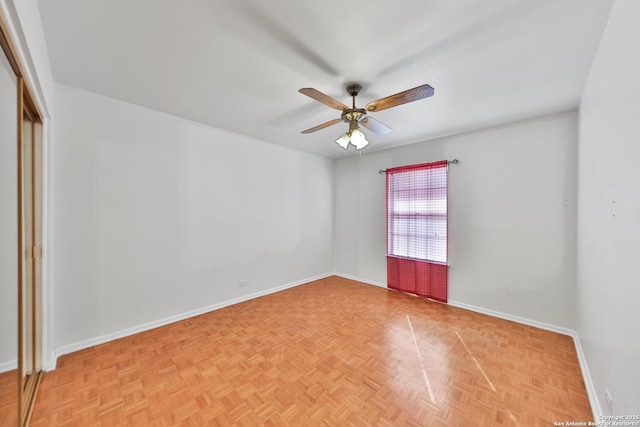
(449, 162)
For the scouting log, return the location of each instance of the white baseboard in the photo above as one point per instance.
(360, 279)
(513, 318)
(49, 362)
(9, 365)
(588, 381)
(81, 345)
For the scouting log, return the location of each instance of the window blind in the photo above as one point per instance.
(417, 229)
(417, 212)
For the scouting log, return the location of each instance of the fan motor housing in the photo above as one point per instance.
(354, 89)
(357, 114)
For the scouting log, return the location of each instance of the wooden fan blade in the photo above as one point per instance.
(322, 126)
(325, 99)
(375, 126)
(410, 95)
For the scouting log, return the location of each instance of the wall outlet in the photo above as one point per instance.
(609, 400)
(244, 282)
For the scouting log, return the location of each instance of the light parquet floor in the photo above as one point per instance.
(332, 352)
(9, 398)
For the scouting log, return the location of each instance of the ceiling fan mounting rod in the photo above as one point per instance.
(353, 90)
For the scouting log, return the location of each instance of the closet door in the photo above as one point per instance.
(21, 240)
(30, 246)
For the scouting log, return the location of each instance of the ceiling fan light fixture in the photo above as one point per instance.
(343, 141)
(358, 139)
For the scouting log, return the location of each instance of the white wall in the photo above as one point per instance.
(155, 216)
(608, 284)
(8, 219)
(512, 213)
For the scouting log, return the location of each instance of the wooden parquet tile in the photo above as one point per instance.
(333, 352)
(9, 398)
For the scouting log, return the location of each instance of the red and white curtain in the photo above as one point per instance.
(417, 229)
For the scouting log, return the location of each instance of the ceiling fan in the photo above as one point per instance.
(358, 116)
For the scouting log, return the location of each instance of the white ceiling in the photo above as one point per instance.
(238, 65)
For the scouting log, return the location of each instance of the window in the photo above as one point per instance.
(417, 212)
